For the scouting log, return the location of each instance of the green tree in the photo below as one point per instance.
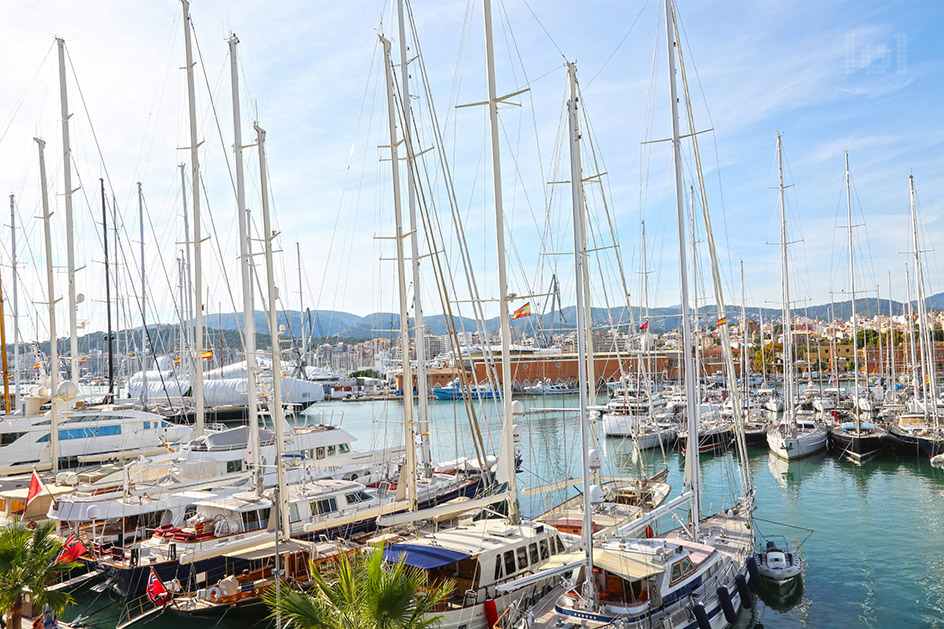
(361, 592)
(28, 565)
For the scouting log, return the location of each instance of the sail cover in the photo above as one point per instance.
(424, 557)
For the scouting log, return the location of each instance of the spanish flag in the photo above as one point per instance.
(207, 354)
(722, 321)
(523, 311)
(83, 360)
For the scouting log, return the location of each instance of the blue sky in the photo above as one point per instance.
(859, 76)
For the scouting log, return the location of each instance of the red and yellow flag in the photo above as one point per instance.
(207, 354)
(523, 311)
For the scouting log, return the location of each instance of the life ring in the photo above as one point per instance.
(649, 532)
(213, 594)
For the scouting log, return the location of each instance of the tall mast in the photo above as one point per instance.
(855, 323)
(891, 340)
(275, 405)
(723, 331)
(692, 472)
(409, 468)
(51, 296)
(911, 335)
(16, 309)
(788, 383)
(186, 286)
(246, 273)
(422, 384)
(144, 332)
(580, 231)
(645, 295)
(110, 397)
(197, 237)
(745, 385)
(301, 307)
(576, 187)
(928, 379)
(696, 328)
(507, 442)
(67, 176)
(3, 357)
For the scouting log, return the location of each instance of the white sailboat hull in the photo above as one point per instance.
(796, 445)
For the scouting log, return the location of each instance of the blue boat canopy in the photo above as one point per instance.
(425, 557)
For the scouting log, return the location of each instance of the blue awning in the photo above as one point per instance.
(425, 557)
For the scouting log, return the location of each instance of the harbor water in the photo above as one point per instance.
(871, 536)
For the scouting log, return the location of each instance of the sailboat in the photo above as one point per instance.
(857, 440)
(685, 578)
(920, 427)
(795, 436)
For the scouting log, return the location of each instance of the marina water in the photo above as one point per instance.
(872, 536)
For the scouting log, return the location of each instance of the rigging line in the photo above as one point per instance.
(620, 44)
(541, 24)
(348, 173)
(219, 251)
(143, 152)
(714, 139)
(212, 101)
(22, 98)
(457, 223)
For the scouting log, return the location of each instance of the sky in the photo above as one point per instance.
(862, 76)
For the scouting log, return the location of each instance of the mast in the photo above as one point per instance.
(16, 309)
(696, 320)
(744, 360)
(186, 292)
(507, 442)
(197, 375)
(301, 309)
(576, 187)
(911, 336)
(275, 404)
(891, 341)
(723, 331)
(51, 296)
(67, 176)
(855, 323)
(246, 273)
(692, 472)
(580, 230)
(110, 397)
(788, 378)
(422, 383)
(928, 379)
(409, 465)
(144, 332)
(3, 353)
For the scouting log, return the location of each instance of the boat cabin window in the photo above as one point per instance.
(331, 450)
(523, 557)
(84, 433)
(253, 520)
(9, 437)
(236, 465)
(293, 512)
(321, 507)
(509, 563)
(344, 448)
(544, 551)
(319, 453)
(356, 497)
(533, 550)
(681, 569)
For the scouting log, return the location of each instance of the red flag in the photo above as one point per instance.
(36, 487)
(72, 549)
(644, 326)
(156, 592)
